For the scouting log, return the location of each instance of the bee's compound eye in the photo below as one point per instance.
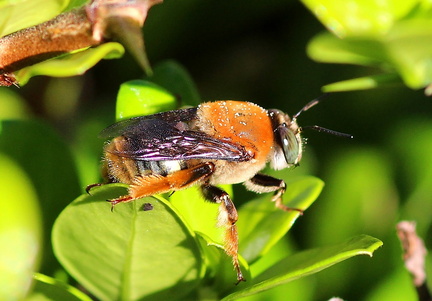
(289, 143)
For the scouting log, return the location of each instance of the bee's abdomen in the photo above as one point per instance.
(124, 169)
(162, 168)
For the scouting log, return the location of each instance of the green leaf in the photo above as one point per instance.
(300, 290)
(213, 253)
(403, 49)
(325, 47)
(306, 263)
(219, 264)
(19, 14)
(50, 289)
(71, 64)
(261, 225)
(20, 230)
(169, 85)
(141, 97)
(409, 47)
(12, 105)
(48, 162)
(363, 83)
(200, 214)
(359, 17)
(175, 78)
(129, 253)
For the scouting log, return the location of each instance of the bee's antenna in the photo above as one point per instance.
(327, 131)
(311, 104)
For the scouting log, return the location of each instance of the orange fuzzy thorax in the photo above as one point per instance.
(240, 122)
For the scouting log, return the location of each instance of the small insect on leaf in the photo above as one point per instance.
(147, 207)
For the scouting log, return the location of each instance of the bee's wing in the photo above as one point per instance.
(154, 139)
(135, 123)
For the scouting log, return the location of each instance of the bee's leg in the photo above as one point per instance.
(91, 186)
(114, 201)
(262, 183)
(148, 185)
(227, 218)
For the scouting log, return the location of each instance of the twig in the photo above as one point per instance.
(91, 25)
(414, 253)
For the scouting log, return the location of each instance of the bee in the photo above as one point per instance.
(220, 142)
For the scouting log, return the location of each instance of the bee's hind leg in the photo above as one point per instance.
(148, 185)
(227, 218)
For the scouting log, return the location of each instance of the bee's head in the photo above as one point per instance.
(288, 142)
(288, 146)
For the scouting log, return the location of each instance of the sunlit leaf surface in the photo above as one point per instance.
(308, 262)
(129, 253)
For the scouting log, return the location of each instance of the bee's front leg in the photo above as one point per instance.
(262, 183)
(227, 218)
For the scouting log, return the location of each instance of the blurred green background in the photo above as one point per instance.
(256, 51)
